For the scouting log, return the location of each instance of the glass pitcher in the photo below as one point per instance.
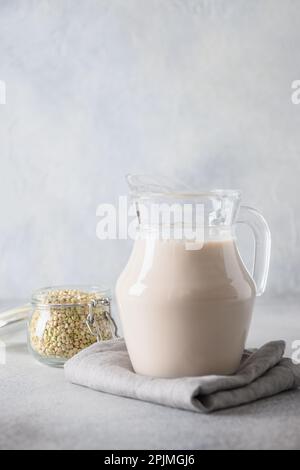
(185, 297)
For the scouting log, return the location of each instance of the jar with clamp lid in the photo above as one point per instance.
(65, 320)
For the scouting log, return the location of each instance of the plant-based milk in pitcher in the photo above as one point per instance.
(186, 310)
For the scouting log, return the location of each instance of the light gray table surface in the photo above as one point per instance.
(39, 410)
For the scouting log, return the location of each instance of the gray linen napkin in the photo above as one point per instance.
(106, 367)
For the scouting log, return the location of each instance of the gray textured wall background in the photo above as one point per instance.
(99, 88)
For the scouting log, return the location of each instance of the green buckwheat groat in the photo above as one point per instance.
(58, 325)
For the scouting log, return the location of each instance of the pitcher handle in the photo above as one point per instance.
(262, 254)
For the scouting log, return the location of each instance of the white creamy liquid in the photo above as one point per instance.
(185, 312)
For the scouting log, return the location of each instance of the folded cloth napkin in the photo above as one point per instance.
(106, 367)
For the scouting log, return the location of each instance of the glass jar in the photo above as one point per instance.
(65, 320)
